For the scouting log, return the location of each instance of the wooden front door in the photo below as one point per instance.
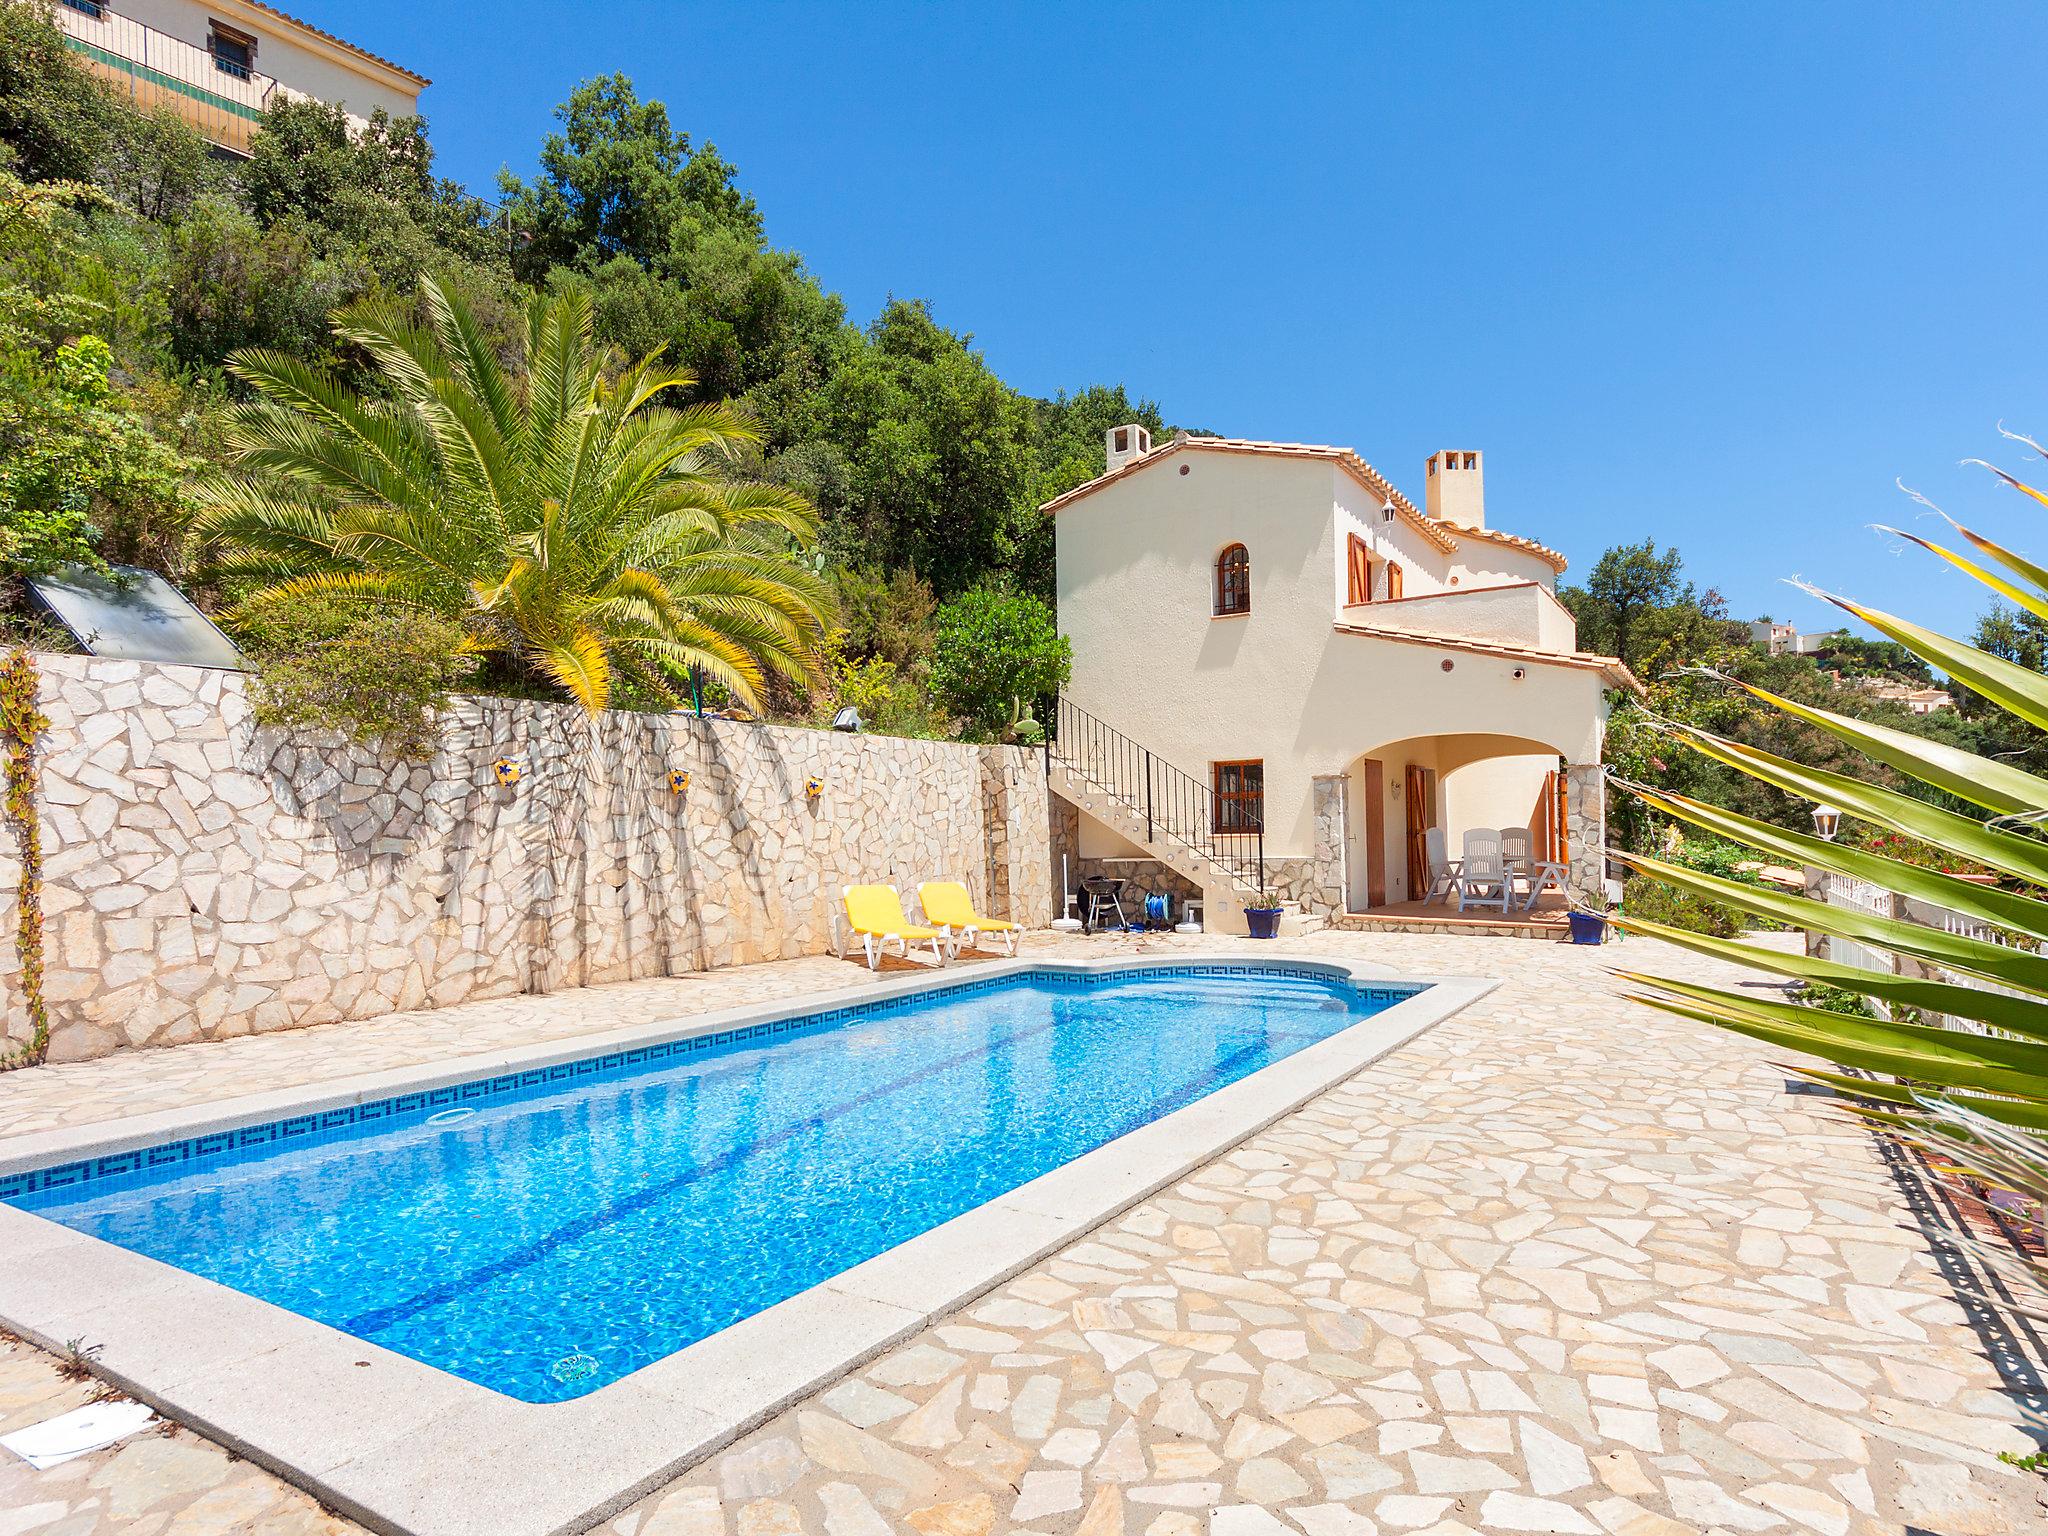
(1419, 797)
(1375, 796)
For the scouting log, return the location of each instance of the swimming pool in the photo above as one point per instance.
(548, 1232)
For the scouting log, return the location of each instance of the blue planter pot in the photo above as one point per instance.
(1264, 922)
(1588, 927)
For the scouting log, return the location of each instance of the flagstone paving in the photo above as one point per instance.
(1561, 1265)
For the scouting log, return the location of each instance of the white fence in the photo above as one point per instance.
(1863, 896)
(1847, 891)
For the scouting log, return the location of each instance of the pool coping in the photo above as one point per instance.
(407, 1449)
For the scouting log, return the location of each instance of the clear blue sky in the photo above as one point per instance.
(1716, 274)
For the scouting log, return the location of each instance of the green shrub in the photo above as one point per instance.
(993, 651)
(377, 678)
(1815, 994)
(1659, 903)
(890, 701)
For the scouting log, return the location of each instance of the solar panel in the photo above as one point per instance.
(133, 615)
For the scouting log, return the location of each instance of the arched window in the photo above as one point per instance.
(1234, 580)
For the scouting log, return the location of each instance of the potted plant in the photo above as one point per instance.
(1589, 922)
(1263, 920)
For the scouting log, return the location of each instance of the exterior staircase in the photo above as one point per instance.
(1164, 810)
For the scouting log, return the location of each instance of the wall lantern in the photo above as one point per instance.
(678, 780)
(506, 772)
(848, 720)
(814, 786)
(1827, 821)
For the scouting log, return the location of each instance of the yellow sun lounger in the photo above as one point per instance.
(875, 912)
(947, 904)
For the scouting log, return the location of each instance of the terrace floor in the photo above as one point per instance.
(1560, 1265)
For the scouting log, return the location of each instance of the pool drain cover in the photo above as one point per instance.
(573, 1367)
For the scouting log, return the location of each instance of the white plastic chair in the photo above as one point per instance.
(1518, 851)
(1483, 877)
(1442, 868)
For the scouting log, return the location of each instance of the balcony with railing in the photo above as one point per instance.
(219, 94)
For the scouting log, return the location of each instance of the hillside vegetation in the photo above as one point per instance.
(136, 268)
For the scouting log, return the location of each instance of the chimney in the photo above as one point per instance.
(1456, 488)
(1122, 445)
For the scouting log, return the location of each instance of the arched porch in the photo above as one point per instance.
(1388, 796)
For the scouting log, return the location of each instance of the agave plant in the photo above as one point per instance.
(1974, 1095)
(581, 530)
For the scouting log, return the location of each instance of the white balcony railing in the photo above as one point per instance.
(222, 99)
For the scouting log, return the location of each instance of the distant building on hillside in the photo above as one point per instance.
(1921, 701)
(1785, 639)
(221, 64)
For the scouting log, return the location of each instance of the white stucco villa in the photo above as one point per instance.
(1280, 660)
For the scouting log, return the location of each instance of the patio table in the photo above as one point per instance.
(1546, 874)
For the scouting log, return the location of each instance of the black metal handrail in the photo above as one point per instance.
(1177, 806)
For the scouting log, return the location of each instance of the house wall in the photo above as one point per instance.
(204, 878)
(308, 65)
(1136, 570)
(1521, 613)
(1483, 563)
(1493, 792)
(1425, 566)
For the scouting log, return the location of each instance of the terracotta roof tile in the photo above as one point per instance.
(1444, 535)
(1344, 458)
(1542, 552)
(340, 42)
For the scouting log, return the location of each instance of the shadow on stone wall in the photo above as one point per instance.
(206, 879)
(366, 805)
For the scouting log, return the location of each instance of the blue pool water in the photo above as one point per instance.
(609, 1218)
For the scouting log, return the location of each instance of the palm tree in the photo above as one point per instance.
(1954, 1061)
(581, 533)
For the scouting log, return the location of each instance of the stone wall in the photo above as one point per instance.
(205, 878)
(1586, 834)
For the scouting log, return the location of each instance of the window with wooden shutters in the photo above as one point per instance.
(1234, 581)
(1240, 795)
(1359, 582)
(234, 53)
(1393, 580)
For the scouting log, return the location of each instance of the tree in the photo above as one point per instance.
(233, 284)
(590, 540)
(936, 451)
(371, 190)
(55, 117)
(1853, 656)
(752, 325)
(615, 182)
(1068, 431)
(155, 164)
(1636, 606)
(77, 465)
(994, 651)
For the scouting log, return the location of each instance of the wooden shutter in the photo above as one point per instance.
(1359, 585)
(1393, 581)
(1419, 796)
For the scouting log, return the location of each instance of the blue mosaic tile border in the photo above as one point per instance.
(126, 1165)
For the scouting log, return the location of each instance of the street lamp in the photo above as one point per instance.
(1827, 821)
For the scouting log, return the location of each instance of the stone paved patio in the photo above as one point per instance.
(1562, 1265)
